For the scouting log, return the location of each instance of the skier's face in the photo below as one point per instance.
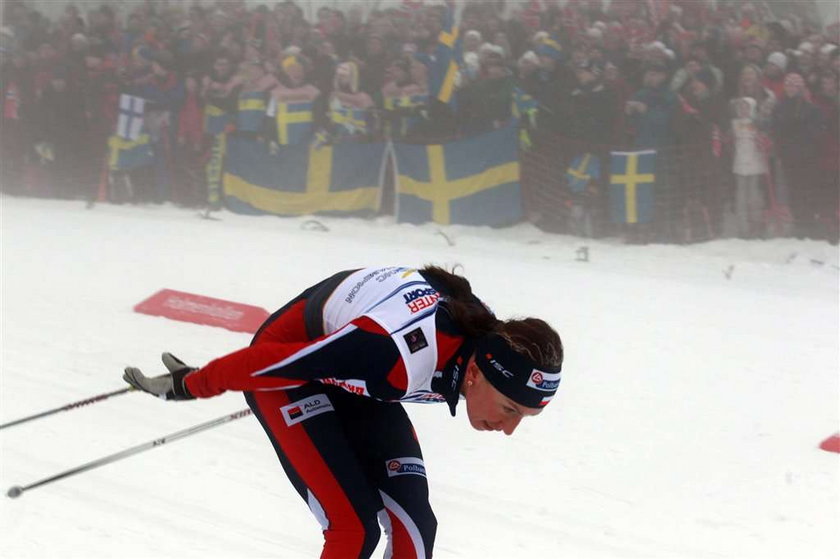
(487, 408)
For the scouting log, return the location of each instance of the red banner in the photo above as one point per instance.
(188, 307)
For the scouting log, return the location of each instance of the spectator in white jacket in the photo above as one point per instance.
(749, 165)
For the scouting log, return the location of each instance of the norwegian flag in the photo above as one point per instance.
(130, 121)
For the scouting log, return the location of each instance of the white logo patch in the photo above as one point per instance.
(547, 382)
(306, 408)
(405, 466)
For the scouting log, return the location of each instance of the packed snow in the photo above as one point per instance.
(698, 384)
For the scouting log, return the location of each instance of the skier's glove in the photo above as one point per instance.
(166, 387)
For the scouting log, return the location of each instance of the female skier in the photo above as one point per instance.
(324, 375)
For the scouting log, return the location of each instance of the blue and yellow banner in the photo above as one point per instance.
(294, 123)
(583, 169)
(125, 155)
(251, 108)
(298, 180)
(448, 57)
(349, 120)
(399, 125)
(474, 181)
(632, 179)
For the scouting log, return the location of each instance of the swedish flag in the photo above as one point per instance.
(400, 109)
(584, 168)
(349, 120)
(632, 178)
(474, 181)
(523, 104)
(297, 180)
(124, 155)
(448, 57)
(294, 122)
(251, 111)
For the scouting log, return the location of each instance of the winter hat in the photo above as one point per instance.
(529, 56)
(778, 59)
(805, 47)
(472, 33)
(514, 374)
(549, 47)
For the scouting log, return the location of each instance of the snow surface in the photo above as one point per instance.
(686, 425)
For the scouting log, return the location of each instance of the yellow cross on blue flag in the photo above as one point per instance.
(344, 179)
(447, 58)
(585, 168)
(632, 186)
(474, 181)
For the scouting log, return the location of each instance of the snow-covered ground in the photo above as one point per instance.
(687, 422)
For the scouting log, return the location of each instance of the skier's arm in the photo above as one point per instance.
(361, 350)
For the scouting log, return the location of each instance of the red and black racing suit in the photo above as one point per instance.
(355, 460)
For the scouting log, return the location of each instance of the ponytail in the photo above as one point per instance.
(532, 337)
(471, 316)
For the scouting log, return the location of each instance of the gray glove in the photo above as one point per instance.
(166, 387)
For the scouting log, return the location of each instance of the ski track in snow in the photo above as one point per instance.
(686, 425)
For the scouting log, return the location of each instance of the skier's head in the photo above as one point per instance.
(514, 372)
(511, 368)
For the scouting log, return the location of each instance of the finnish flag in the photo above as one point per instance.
(130, 121)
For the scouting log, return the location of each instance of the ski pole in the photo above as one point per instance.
(17, 490)
(69, 407)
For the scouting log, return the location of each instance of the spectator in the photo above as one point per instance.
(60, 122)
(348, 106)
(592, 122)
(651, 109)
(827, 100)
(294, 104)
(593, 107)
(697, 124)
(750, 84)
(164, 93)
(404, 98)
(749, 166)
(485, 104)
(774, 74)
(253, 97)
(796, 127)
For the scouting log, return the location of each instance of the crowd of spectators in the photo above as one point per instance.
(740, 102)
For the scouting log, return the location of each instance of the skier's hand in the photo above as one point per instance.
(166, 387)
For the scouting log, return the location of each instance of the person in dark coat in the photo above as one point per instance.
(797, 126)
(60, 123)
(697, 125)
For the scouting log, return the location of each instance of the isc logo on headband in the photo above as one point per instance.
(547, 382)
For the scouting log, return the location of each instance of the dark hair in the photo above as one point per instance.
(530, 336)
(468, 312)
